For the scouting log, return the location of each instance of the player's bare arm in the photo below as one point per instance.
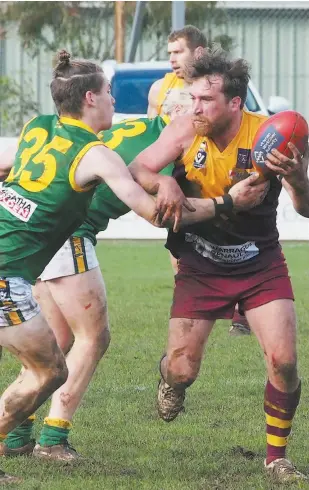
(172, 143)
(101, 163)
(153, 98)
(175, 138)
(295, 176)
(245, 195)
(6, 161)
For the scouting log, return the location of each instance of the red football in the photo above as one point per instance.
(276, 132)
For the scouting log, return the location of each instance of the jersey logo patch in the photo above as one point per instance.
(266, 143)
(224, 254)
(244, 158)
(200, 157)
(17, 205)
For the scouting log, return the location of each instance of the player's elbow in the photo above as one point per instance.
(303, 210)
(134, 169)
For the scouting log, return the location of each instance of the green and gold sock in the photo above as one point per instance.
(55, 431)
(21, 435)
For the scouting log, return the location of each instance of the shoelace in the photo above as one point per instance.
(170, 394)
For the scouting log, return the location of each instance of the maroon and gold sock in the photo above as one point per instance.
(279, 409)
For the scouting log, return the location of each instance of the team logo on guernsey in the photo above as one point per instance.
(268, 140)
(16, 204)
(244, 158)
(200, 157)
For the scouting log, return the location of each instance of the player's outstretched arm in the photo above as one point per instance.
(243, 196)
(6, 161)
(101, 163)
(153, 98)
(170, 145)
(294, 173)
(145, 167)
(104, 164)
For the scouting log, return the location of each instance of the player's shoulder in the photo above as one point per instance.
(97, 154)
(41, 120)
(155, 88)
(180, 129)
(255, 118)
(166, 80)
(252, 123)
(125, 128)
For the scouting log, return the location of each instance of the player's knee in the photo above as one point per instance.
(56, 375)
(102, 341)
(180, 380)
(97, 343)
(181, 372)
(285, 367)
(65, 342)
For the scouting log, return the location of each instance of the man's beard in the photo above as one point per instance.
(204, 127)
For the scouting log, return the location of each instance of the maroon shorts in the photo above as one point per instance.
(200, 295)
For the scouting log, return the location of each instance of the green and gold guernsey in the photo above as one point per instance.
(40, 203)
(128, 139)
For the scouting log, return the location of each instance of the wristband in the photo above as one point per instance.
(226, 207)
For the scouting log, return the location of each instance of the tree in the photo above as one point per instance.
(16, 106)
(205, 15)
(82, 27)
(76, 26)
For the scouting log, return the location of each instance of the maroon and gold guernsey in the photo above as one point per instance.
(244, 241)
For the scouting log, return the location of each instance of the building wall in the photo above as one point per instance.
(276, 43)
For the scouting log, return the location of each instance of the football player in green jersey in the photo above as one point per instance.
(44, 198)
(75, 313)
(66, 296)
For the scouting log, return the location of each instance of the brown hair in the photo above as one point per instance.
(71, 81)
(235, 73)
(193, 36)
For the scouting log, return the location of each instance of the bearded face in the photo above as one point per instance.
(204, 126)
(212, 111)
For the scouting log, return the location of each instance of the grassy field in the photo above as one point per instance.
(117, 428)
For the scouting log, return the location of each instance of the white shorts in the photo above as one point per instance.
(17, 304)
(77, 255)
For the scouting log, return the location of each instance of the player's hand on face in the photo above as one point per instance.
(293, 170)
(170, 200)
(249, 193)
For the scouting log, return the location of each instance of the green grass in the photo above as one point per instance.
(116, 427)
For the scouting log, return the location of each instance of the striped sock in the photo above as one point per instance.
(54, 431)
(279, 409)
(21, 435)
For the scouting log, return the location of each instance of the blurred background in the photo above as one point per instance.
(273, 36)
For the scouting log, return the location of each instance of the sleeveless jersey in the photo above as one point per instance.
(128, 139)
(40, 203)
(171, 91)
(236, 241)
